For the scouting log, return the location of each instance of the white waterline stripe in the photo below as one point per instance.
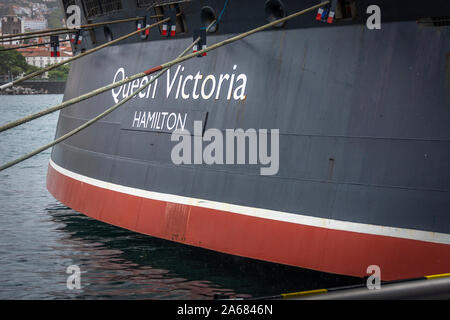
(404, 233)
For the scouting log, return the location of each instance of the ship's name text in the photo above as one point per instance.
(159, 120)
(185, 86)
(143, 119)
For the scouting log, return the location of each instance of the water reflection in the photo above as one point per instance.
(117, 263)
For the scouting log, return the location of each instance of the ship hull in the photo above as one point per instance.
(364, 143)
(252, 232)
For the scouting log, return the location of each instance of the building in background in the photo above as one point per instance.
(35, 24)
(11, 24)
(40, 56)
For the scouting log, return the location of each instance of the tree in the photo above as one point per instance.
(12, 62)
(59, 73)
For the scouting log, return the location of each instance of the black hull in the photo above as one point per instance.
(363, 117)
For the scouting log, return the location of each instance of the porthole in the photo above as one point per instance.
(108, 33)
(275, 10)
(208, 15)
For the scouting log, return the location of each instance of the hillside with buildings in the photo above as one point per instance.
(35, 15)
(23, 16)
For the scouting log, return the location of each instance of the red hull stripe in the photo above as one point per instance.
(313, 247)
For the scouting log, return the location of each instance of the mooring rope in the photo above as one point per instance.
(233, 39)
(35, 34)
(85, 26)
(56, 65)
(141, 74)
(43, 35)
(31, 45)
(100, 116)
(162, 68)
(301, 294)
